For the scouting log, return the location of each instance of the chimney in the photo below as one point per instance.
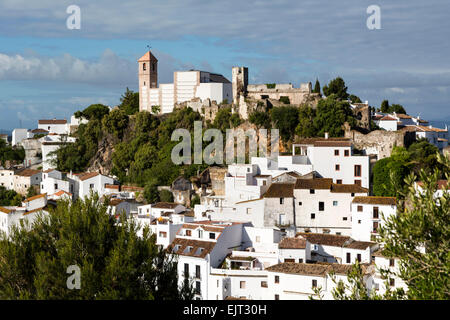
(326, 135)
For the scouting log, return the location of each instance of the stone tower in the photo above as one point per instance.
(148, 78)
(239, 82)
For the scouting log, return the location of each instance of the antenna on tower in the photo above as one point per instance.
(148, 46)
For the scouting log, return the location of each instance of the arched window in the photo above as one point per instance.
(144, 66)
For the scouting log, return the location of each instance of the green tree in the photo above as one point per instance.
(129, 102)
(389, 173)
(423, 156)
(316, 87)
(385, 106)
(337, 87)
(195, 200)
(151, 193)
(115, 263)
(260, 119)
(94, 111)
(397, 108)
(305, 127)
(354, 99)
(9, 197)
(165, 196)
(235, 120)
(285, 119)
(222, 119)
(331, 115)
(115, 122)
(156, 109)
(31, 192)
(16, 153)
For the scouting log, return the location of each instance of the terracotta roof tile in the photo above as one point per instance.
(280, 190)
(330, 142)
(198, 248)
(52, 121)
(87, 175)
(320, 183)
(375, 200)
(362, 245)
(314, 269)
(292, 243)
(35, 197)
(4, 210)
(324, 239)
(27, 172)
(348, 188)
(165, 205)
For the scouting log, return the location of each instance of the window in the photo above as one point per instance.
(357, 170)
(359, 221)
(312, 191)
(358, 257)
(186, 270)
(391, 263)
(188, 233)
(335, 203)
(391, 282)
(91, 186)
(258, 239)
(300, 260)
(212, 236)
(264, 182)
(344, 218)
(321, 206)
(153, 66)
(263, 284)
(197, 287)
(358, 182)
(56, 186)
(144, 66)
(314, 283)
(277, 279)
(313, 215)
(338, 233)
(360, 208)
(348, 257)
(375, 212)
(300, 203)
(200, 234)
(197, 272)
(242, 284)
(337, 167)
(336, 152)
(281, 200)
(249, 210)
(346, 153)
(339, 181)
(289, 260)
(277, 297)
(163, 234)
(375, 227)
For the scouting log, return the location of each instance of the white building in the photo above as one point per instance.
(14, 216)
(54, 126)
(88, 182)
(202, 245)
(54, 181)
(381, 284)
(7, 178)
(19, 134)
(186, 86)
(25, 178)
(297, 281)
(51, 143)
(367, 215)
(322, 206)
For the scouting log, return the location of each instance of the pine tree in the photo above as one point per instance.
(317, 86)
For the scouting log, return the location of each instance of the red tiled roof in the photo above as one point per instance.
(280, 190)
(314, 269)
(324, 239)
(87, 175)
(206, 246)
(292, 243)
(375, 200)
(27, 172)
(35, 197)
(53, 121)
(147, 57)
(165, 205)
(348, 188)
(318, 183)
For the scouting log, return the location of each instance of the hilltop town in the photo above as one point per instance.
(276, 228)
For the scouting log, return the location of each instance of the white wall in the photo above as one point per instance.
(362, 222)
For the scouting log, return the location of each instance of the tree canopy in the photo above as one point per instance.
(129, 102)
(337, 87)
(115, 263)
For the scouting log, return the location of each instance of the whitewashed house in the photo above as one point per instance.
(54, 126)
(323, 206)
(382, 262)
(7, 178)
(202, 245)
(367, 215)
(51, 143)
(25, 178)
(54, 181)
(87, 182)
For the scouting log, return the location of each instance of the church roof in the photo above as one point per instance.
(147, 57)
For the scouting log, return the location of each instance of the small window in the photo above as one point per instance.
(281, 200)
(163, 234)
(314, 283)
(197, 272)
(313, 215)
(344, 218)
(375, 227)
(197, 287)
(312, 191)
(242, 284)
(391, 263)
(263, 284)
(348, 257)
(277, 297)
(358, 257)
(336, 152)
(392, 282)
(188, 233)
(358, 182)
(357, 170)
(91, 186)
(359, 221)
(375, 212)
(339, 181)
(249, 210)
(200, 234)
(144, 66)
(258, 239)
(212, 236)
(360, 208)
(335, 203)
(300, 203)
(346, 153)
(321, 206)
(277, 279)
(337, 167)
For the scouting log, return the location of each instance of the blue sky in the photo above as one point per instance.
(47, 70)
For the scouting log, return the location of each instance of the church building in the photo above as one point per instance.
(186, 86)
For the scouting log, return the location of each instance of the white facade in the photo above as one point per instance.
(54, 126)
(19, 134)
(7, 178)
(367, 216)
(86, 183)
